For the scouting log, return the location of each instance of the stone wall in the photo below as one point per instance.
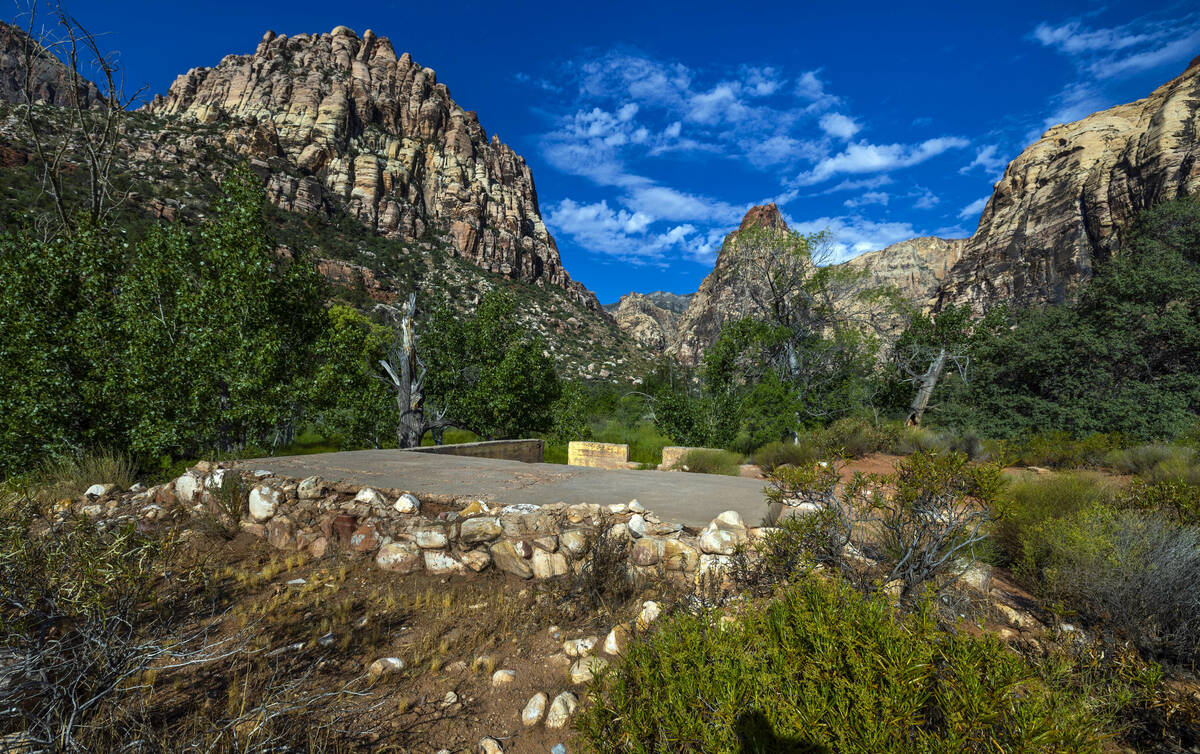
(525, 451)
(403, 534)
(672, 454)
(598, 455)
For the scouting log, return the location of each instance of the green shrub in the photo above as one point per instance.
(1133, 573)
(775, 454)
(644, 440)
(853, 437)
(1031, 501)
(70, 476)
(823, 669)
(709, 461)
(1175, 498)
(1059, 450)
(1144, 460)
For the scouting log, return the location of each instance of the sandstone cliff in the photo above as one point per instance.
(652, 326)
(916, 267)
(50, 79)
(338, 120)
(724, 294)
(1063, 203)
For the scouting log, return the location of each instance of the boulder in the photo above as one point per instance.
(638, 526)
(264, 500)
(505, 557)
(617, 640)
(99, 490)
(479, 529)
(370, 496)
(679, 555)
(187, 487)
(503, 677)
(399, 557)
(574, 542)
(407, 503)
(281, 533)
(649, 613)
(580, 647)
(547, 565)
(535, 709)
(364, 539)
(561, 710)
(441, 563)
(384, 666)
(647, 552)
(312, 488)
(586, 668)
(433, 538)
(477, 560)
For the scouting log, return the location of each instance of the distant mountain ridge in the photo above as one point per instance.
(1061, 206)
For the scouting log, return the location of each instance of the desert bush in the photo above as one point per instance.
(594, 593)
(1132, 573)
(821, 668)
(1060, 450)
(1155, 460)
(922, 521)
(1032, 501)
(919, 439)
(1175, 498)
(69, 476)
(775, 454)
(709, 461)
(934, 517)
(853, 437)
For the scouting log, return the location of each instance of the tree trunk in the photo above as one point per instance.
(408, 376)
(928, 383)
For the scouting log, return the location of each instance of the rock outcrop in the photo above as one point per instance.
(652, 326)
(916, 267)
(724, 294)
(51, 80)
(338, 119)
(1063, 203)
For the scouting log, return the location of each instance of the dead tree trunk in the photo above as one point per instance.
(407, 374)
(928, 382)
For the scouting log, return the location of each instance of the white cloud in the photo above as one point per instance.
(1073, 38)
(973, 209)
(811, 88)
(926, 199)
(871, 197)
(863, 157)
(986, 158)
(852, 236)
(836, 124)
(665, 203)
(617, 233)
(873, 182)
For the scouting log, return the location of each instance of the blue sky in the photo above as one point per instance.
(651, 127)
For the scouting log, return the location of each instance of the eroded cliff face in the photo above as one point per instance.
(1064, 202)
(335, 120)
(652, 326)
(724, 295)
(916, 267)
(50, 81)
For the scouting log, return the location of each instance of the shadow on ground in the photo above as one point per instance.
(755, 736)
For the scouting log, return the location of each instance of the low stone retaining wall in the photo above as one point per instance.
(400, 532)
(598, 455)
(673, 454)
(525, 451)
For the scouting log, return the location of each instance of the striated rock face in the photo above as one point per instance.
(652, 326)
(723, 295)
(916, 267)
(357, 125)
(1063, 203)
(50, 77)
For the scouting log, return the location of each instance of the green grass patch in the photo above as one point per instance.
(710, 461)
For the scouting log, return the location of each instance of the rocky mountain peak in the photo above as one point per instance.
(763, 216)
(51, 79)
(336, 120)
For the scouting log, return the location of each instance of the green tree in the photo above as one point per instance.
(1125, 357)
(218, 331)
(348, 399)
(486, 372)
